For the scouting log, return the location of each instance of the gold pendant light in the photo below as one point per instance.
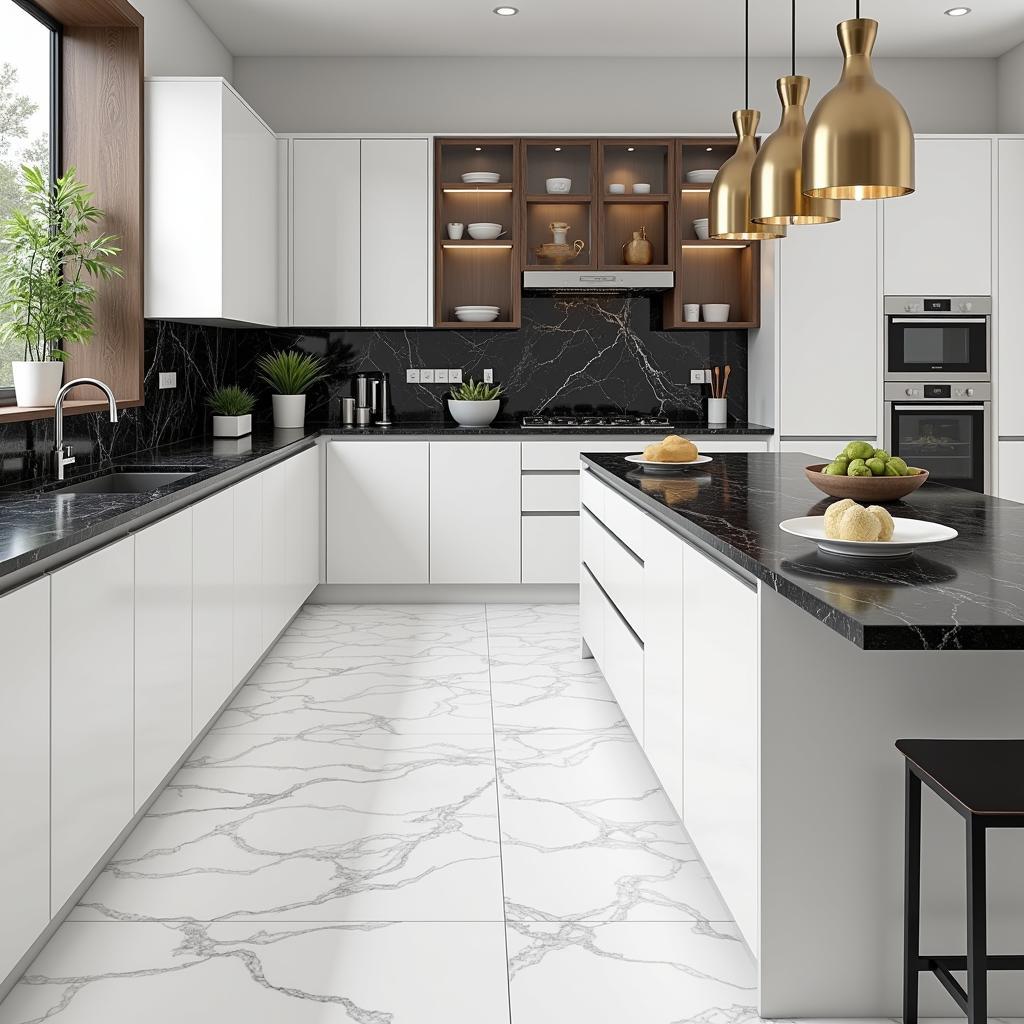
(859, 143)
(729, 215)
(776, 181)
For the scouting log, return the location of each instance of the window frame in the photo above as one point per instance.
(56, 78)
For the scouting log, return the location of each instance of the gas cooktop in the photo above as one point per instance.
(628, 421)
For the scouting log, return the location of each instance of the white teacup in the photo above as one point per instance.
(616, 188)
(691, 312)
(642, 188)
(455, 231)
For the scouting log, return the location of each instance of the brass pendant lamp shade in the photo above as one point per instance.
(729, 214)
(859, 143)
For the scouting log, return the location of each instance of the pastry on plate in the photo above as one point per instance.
(672, 449)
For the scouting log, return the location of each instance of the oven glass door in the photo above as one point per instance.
(947, 441)
(921, 347)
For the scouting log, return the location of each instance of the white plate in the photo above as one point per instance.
(472, 317)
(667, 467)
(908, 534)
(702, 177)
(481, 178)
(478, 309)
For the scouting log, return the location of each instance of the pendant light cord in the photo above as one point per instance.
(858, 8)
(746, 53)
(793, 41)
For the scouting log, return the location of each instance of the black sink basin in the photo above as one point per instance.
(124, 482)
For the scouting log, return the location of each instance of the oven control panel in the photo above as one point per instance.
(898, 391)
(937, 305)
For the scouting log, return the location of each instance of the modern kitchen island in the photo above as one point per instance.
(768, 684)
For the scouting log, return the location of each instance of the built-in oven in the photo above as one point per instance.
(938, 338)
(944, 428)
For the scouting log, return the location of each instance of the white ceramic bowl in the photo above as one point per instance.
(558, 184)
(700, 227)
(494, 308)
(703, 176)
(476, 316)
(616, 189)
(481, 178)
(641, 188)
(715, 312)
(484, 230)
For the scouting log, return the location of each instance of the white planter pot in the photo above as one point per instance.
(37, 383)
(473, 414)
(232, 426)
(289, 411)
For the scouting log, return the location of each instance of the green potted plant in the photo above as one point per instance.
(290, 375)
(232, 411)
(473, 404)
(47, 258)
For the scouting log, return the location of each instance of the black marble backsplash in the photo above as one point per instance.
(579, 353)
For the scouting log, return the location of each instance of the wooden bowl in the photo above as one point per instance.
(876, 490)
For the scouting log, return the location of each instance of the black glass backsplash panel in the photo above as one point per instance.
(579, 353)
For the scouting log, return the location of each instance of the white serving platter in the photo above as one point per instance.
(667, 467)
(908, 534)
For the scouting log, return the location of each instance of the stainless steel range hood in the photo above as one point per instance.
(598, 280)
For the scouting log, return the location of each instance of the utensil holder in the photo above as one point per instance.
(717, 413)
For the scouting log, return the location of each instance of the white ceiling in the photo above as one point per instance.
(600, 28)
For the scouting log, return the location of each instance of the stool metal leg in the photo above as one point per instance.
(977, 939)
(911, 897)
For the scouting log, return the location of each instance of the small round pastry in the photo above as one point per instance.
(678, 449)
(884, 519)
(859, 524)
(833, 514)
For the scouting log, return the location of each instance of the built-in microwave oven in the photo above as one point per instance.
(938, 338)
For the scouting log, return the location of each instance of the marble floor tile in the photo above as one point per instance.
(300, 829)
(438, 973)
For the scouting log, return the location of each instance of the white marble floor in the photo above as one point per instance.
(410, 815)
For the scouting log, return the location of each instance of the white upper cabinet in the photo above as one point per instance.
(830, 318)
(938, 241)
(1009, 313)
(395, 233)
(211, 205)
(325, 254)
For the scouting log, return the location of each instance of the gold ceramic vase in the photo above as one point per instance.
(859, 143)
(729, 215)
(776, 181)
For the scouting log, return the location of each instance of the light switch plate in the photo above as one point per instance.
(488, 376)
(440, 376)
(426, 376)
(454, 376)
(697, 377)
(412, 376)
(168, 380)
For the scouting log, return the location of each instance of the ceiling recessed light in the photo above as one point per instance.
(708, 150)
(558, 149)
(957, 12)
(629, 149)
(479, 149)
(506, 12)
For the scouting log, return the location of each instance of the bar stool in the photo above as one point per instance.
(983, 780)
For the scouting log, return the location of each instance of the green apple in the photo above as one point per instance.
(877, 466)
(859, 450)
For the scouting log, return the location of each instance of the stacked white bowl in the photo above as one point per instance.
(477, 314)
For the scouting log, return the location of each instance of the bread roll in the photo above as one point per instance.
(677, 449)
(884, 519)
(859, 524)
(652, 452)
(833, 514)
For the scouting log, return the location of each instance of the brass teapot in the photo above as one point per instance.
(638, 251)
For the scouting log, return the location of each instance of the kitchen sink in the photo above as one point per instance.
(123, 482)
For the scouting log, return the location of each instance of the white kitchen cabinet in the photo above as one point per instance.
(395, 233)
(303, 533)
(622, 664)
(475, 522)
(1009, 311)
(276, 591)
(92, 722)
(663, 659)
(1011, 470)
(25, 769)
(325, 233)
(938, 240)
(247, 603)
(825, 448)
(213, 597)
(551, 548)
(163, 650)
(378, 512)
(830, 317)
(211, 172)
(720, 730)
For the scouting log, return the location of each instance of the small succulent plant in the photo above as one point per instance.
(476, 392)
(231, 401)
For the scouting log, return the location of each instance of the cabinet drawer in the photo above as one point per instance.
(626, 521)
(623, 581)
(623, 668)
(566, 454)
(551, 549)
(592, 535)
(592, 609)
(551, 492)
(592, 493)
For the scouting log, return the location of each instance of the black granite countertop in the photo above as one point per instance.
(511, 426)
(966, 594)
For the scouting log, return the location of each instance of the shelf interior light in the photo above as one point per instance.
(478, 190)
(453, 245)
(701, 245)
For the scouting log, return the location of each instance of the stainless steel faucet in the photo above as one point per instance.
(62, 454)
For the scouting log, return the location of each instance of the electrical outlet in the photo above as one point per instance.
(168, 380)
(412, 376)
(426, 376)
(698, 377)
(454, 376)
(440, 376)
(488, 376)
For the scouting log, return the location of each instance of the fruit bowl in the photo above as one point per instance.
(873, 489)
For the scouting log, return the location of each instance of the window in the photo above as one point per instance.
(29, 115)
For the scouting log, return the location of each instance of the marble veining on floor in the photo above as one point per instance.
(409, 815)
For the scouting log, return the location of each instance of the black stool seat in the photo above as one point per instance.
(982, 777)
(983, 780)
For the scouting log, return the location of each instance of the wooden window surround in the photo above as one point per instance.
(102, 124)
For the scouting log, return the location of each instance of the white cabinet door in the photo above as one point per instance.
(25, 769)
(303, 534)
(551, 548)
(663, 659)
(163, 649)
(378, 512)
(623, 666)
(1011, 470)
(396, 233)
(938, 240)
(213, 598)
(825, 449)
(248, 575)
(821, 270)
(325, 247)
(91, 798)
(275, 591)
(720, 730)
(1009, 319)
(475, 521)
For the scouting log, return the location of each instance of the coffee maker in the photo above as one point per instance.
(372, 393)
